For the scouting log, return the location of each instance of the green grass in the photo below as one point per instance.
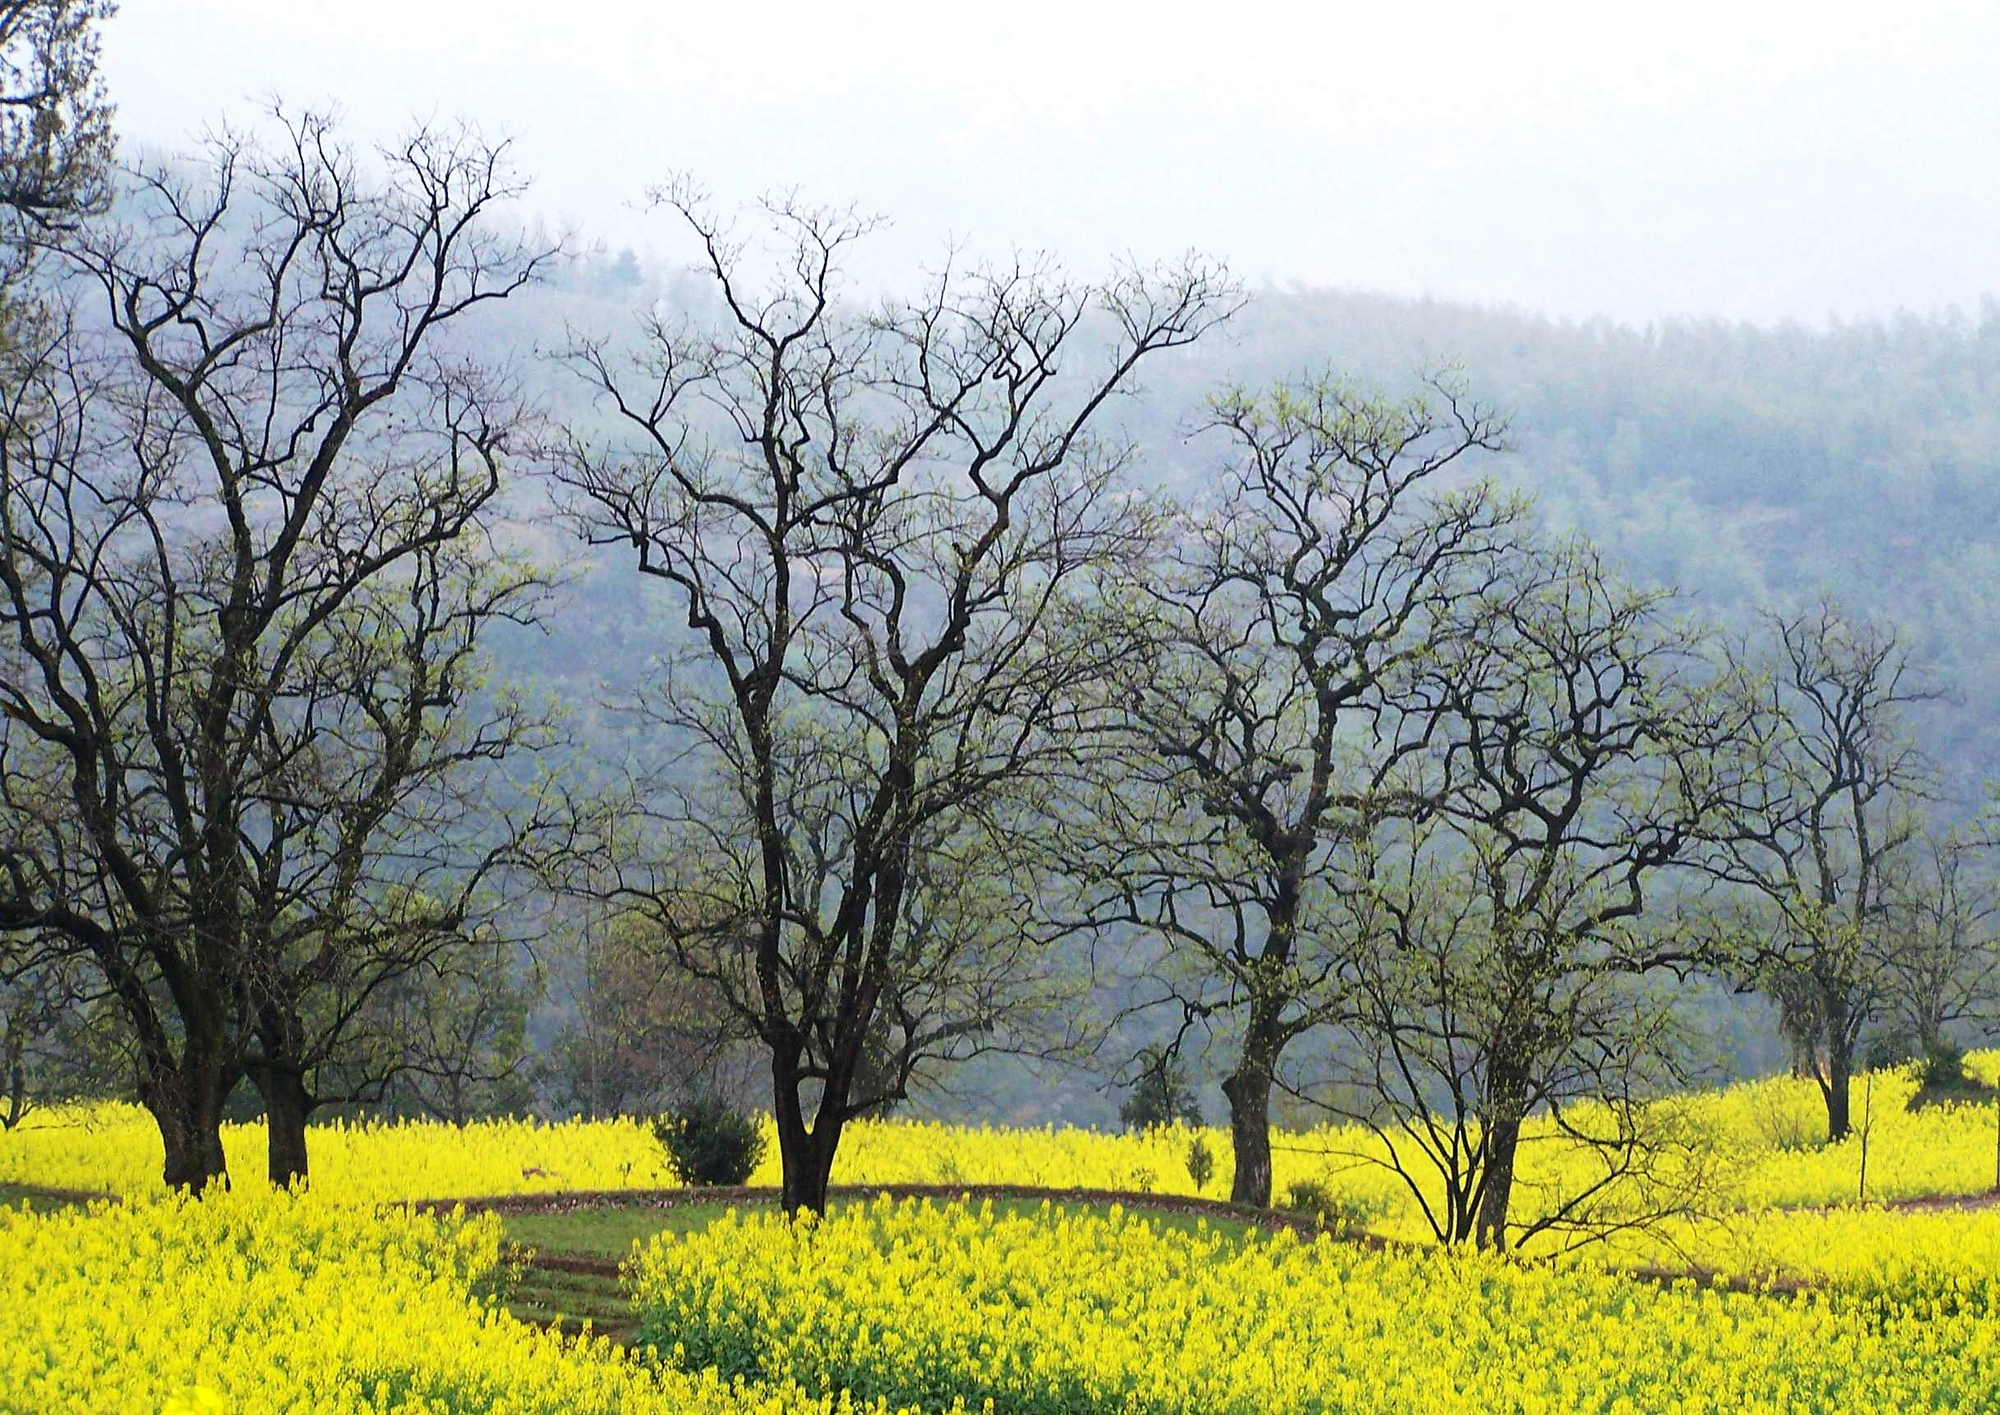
(569, 1300)
(611, 1231)
(606, 1232)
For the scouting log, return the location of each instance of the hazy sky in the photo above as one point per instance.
(1751, 159)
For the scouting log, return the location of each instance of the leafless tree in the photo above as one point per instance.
(247, 769)
(1503, 950)
(638, 1033)
(1828, 799)
(448, 1041)
(54, 1044)
(1434, 992)
(867, 519)
(1940, 957)
(1260, 704)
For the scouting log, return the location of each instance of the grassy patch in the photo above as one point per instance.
(570, 1300)
(610, 1231)
(606, 1232)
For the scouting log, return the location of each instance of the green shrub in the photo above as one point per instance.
(1331, 1209)
(1161, 1094)
(1942, 1068)
(1200, 1162)
(709, 1142)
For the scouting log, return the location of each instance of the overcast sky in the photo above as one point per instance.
(1751, 159)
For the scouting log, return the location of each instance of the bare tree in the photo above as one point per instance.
(1261, 713)
(246, 499)
(1503, 948)
(867, 519)
(1940, 959)
(448, 1041)
(1828, 800)
(1435, 993)
(638, 1033)
(54, 1044)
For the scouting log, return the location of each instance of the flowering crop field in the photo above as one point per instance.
(923, 1304)
(1761, 1134)
(342, 1298)
(262, 1302)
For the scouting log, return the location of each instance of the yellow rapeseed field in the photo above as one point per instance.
(1078, 1313)
(268, 1302)
(341, 1298)
(1763, 1135)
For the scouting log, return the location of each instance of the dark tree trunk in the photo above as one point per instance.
(186, 1103)
(1248, 1090)
(1834, 1085)
(287, 1105)
(17, 1097)
(808, 1167)
(806, 1157)
(1507, 1092)
(805, 1153)
(1838, 1089)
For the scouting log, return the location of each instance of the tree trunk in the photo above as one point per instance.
(1839, 1073)
(1507, 1092)
(805, 1154)
(1248, 1090)
(1839, 1066)
(287, 1104)
(186, 1103)
(1497, 1194)
(17, 1097)
(808, 1168)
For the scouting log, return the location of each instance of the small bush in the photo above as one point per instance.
(1942, 1068)
(1332, 1210)
(710, 1143)
(1200, 1162)
(1161, 1094)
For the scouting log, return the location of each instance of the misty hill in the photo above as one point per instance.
(1745, 465)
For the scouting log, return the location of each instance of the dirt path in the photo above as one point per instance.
(43, 1193)
(1909, 1204)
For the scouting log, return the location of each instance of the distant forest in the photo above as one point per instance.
(1739, 464)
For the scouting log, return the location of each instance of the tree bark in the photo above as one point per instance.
(17, 1097)
(186, 1103)
(806, 1157)
(805, 1152)
(1839, 1075)
(287, 1104)
(1839, 1067)
(1508, 1089)
(808, 1168)
(1248, 1090)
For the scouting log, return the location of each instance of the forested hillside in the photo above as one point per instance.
(1739, 464)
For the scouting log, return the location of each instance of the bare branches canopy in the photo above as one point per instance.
(246, 557)
(869, 520)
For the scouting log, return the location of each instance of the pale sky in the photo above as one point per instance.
(1752, 159)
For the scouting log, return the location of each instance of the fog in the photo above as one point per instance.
(1768, 162)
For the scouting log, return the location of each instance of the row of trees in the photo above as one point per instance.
(1347, 742)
